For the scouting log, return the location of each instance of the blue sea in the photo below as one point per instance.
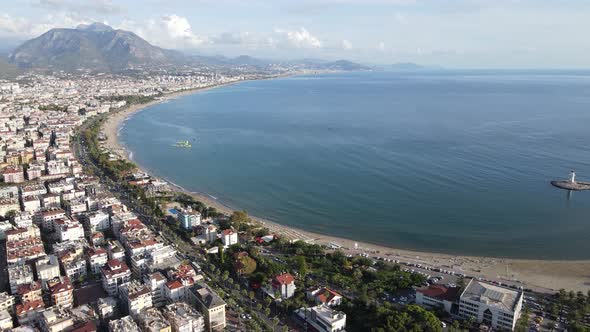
(456, 162)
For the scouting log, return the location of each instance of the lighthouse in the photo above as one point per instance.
(573, 176)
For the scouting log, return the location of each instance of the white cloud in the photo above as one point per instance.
(381, 46)
(23, 28)
(170, 31)
(299, 38)
(347, 45)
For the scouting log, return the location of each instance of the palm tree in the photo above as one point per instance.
(275, 322)
(224, 277)
(251, 295)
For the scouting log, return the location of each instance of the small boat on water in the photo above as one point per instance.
(183, 144)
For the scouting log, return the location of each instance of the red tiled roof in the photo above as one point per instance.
(86, 327)
(63, 286)
(440, 292)
(284, 279)
(27, 288)
(326, 295)
(29, 306)
(174, 284)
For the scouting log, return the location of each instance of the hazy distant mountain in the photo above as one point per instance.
(96, 46)
(99, 47)
(343, 65)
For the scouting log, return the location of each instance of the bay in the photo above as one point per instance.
(444, 161)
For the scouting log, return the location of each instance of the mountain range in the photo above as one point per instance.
(99, 47)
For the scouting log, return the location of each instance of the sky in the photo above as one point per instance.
(448, 33)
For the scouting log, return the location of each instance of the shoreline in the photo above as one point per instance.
(537, 274)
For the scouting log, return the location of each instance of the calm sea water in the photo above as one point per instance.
(454, 162)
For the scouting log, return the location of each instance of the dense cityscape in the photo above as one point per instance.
(91, 242)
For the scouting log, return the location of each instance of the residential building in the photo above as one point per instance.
(322, 318)
(187, 218)
(229, 237)
(491, 305)
(56, 319)
(114, 274)
(8, 204)
(47, 268)
(97, 258)
(156, 282)
(28, 312)
(69, 230)
(61, 291)
(75, 268)
(115, 250)
(29, 292)
(125, 324)
(7, 302)
(5, 320)
(19, 275)
(184, 318)
(175, 291)
(107, 307)
(152, 320)
(13, 174)
(283, 286)
(325, 296)
(210, 304)
(135, 297)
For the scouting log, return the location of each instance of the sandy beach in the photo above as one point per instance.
(539, 275)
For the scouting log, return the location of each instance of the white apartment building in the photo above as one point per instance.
(184, 318)
(69, 230)
(47, 268)
(188, 218)
(56, 319)
(322, 318)
(7, 302)
(19, 275)
(96, 221)
(156, 282)
(491, 305)
(136, 297)
(107, 307)
(229, 237)
(23, 219)
(152, 320)
(114, 274)
(97, 258)
(75, 269)
(5, 320)
(125, 324)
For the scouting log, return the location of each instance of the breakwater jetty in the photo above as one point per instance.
(571, 184)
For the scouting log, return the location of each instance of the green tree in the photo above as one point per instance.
(239, 218)
(301, 266)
